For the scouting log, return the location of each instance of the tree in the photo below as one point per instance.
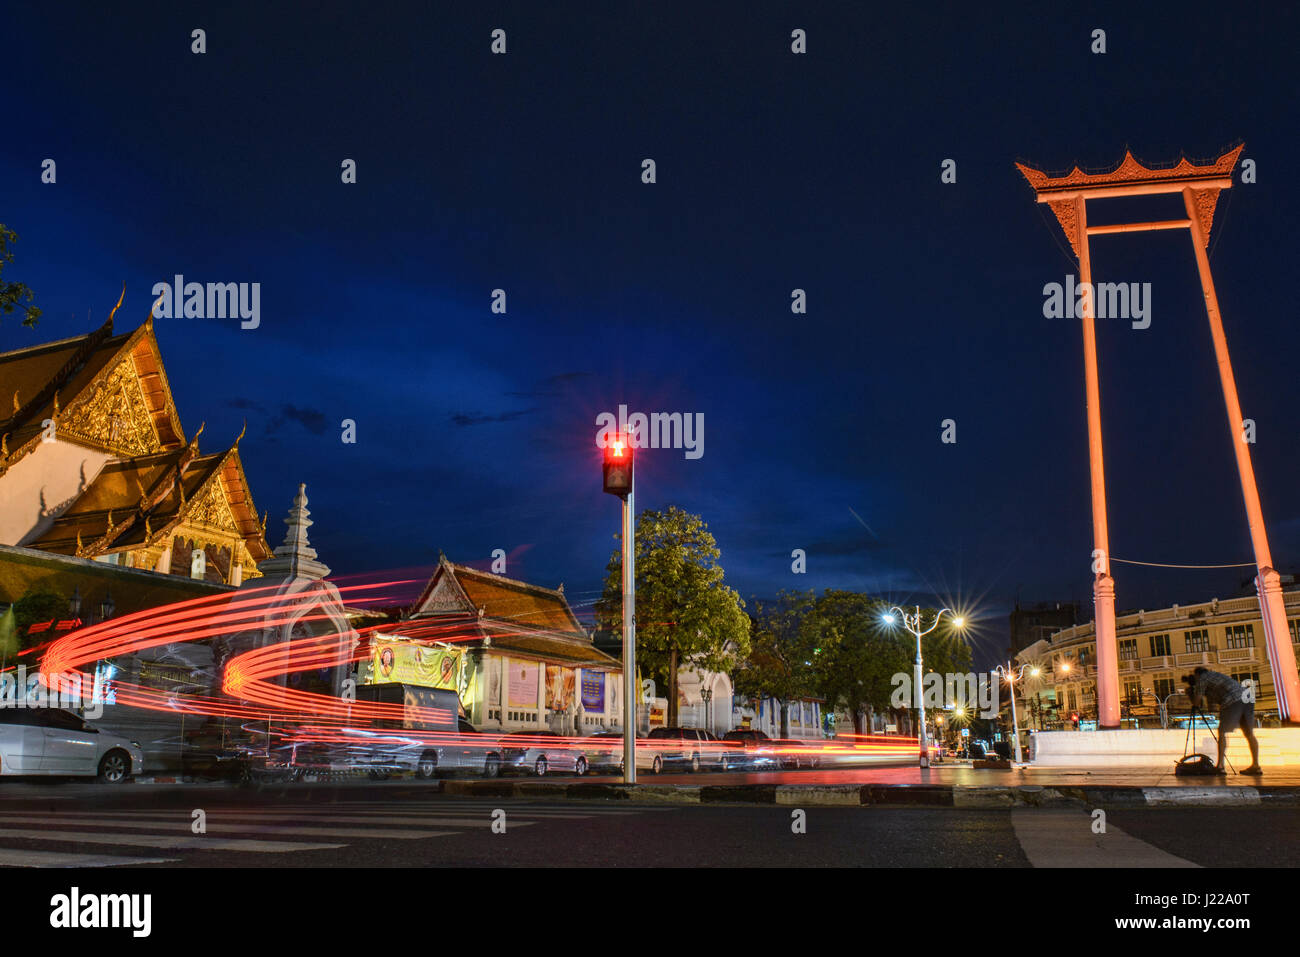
(34, 607)
(685, 614)
(8, 636)
(12, 293)
(859, 655)
(781, 662)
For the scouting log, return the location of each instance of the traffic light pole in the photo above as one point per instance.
(629, 635)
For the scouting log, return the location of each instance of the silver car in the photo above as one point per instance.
(540, 752)
(51, 742)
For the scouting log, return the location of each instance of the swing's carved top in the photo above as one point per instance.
(1132, 173)
(1065, 195)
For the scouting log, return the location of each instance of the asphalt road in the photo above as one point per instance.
(402, 824)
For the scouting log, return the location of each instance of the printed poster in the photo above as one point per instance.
(521, 684)
(559, 688)
(403, 662)
(593, 691)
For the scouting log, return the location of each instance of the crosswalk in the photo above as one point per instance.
(281, 829)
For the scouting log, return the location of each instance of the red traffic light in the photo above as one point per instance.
(617, 467)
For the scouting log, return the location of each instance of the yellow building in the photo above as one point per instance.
(1156, 648)
(94, 464)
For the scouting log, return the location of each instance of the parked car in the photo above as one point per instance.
(748, 749)
(52, 742)
(687, 747)
(540, 753)
(606, 753)
(798, 752)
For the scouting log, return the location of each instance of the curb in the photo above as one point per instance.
(969, 797)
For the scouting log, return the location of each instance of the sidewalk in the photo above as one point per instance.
(937, 787)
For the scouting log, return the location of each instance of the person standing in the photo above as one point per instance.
(1235, 711)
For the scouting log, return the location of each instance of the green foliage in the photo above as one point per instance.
(13, 293)
(682, 604)
(835, 646)
(859, 654)
(33, 607)
(8, 634)
(781, 659)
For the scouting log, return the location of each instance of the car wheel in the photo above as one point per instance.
(540, 767)
(492, 766)
(580, 767)
(114, 767)
(695, 764)
(657, 765)
(428, 766)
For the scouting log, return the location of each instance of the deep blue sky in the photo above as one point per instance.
(775, 171)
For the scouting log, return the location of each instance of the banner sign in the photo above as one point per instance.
(402, 662)
(593, 691)
(559, 688)
(521, 684)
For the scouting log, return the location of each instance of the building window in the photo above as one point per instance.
(1244, 676)
(1197, 641)
(1083, 657)
(1163, 686)
(1074, 700)
(1241, 636)
(1295, 631)
(1133, 692)
(1128, 649)
(1159, 646)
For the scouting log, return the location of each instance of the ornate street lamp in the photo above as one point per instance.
(912, 623)
(1013, 675)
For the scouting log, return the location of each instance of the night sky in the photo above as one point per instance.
(775, 172)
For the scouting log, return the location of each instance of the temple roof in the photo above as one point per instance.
(469, 591)
(140, 501)
(75, 373)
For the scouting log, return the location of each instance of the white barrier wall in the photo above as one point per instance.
(1278, 747)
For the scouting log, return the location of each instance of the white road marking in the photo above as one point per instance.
(217, 822)
(13, 857)
(165, 841)
(1052, 838)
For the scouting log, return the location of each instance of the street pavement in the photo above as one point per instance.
(406, 824)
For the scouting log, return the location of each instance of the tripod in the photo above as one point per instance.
(1198, 713)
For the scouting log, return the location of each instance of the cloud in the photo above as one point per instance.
(313, 420)
(559, 379)
(464, 419)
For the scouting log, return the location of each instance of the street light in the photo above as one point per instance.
(1012, 675)
(618, 479)
(912, 624)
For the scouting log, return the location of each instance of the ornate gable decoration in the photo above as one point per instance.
(443, 595)
(114, 415)
(1064, 194)
(211, 508)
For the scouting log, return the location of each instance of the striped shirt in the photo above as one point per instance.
(1217, 688)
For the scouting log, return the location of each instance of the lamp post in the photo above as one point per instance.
(619, 480)
(1012, 675)
(912, 624)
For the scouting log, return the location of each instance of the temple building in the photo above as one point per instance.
(524, 660)
(94, 464)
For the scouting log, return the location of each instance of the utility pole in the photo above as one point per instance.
(619, 480)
